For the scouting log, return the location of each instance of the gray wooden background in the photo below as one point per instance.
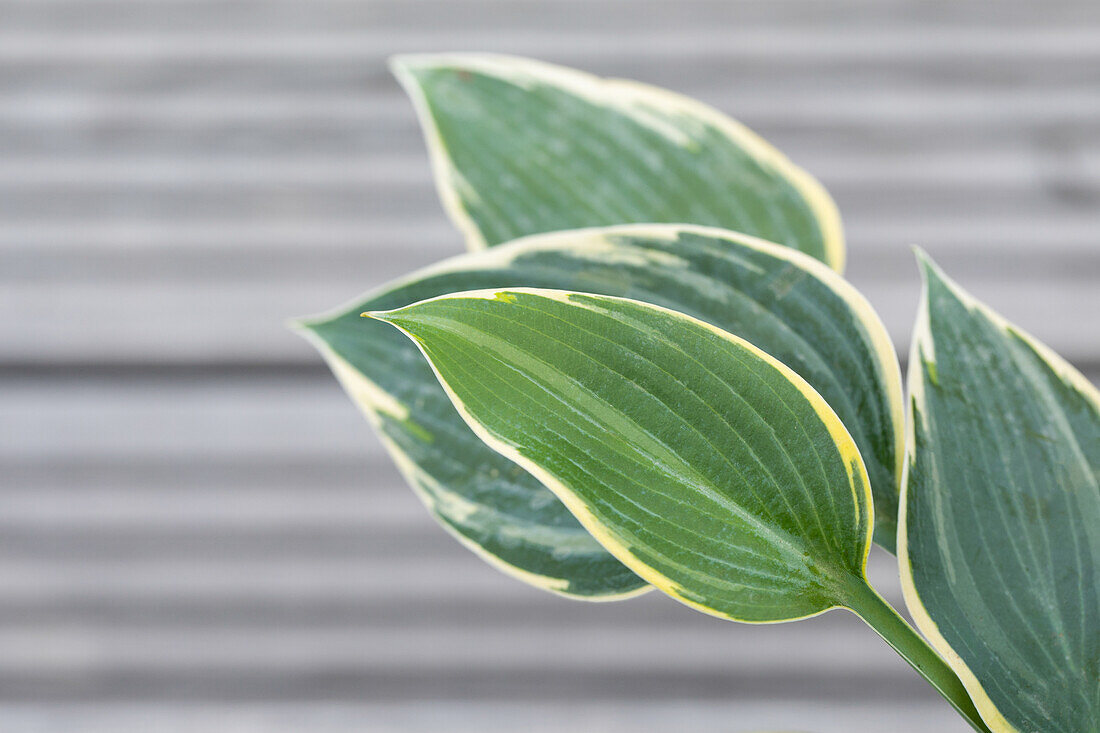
(198, 531)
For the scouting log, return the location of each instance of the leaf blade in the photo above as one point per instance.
(1014, 602)
(520, 147)
(583, 391)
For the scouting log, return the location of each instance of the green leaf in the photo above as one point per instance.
(521, 147)
(705, 465)
(1000, 545)
(793, 306)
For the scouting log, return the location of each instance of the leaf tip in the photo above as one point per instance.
(405, 66)
(936, 282)
(924, 260)
(400, 63)
(306, 325)
(929, 270)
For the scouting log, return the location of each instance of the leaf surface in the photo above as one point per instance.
(520, 147)
(1000, 546)
(709, 468)
(789, 304)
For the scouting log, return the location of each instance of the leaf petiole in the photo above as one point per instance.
(873, 609)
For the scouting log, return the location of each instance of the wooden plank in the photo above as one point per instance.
(558, 15)
(1071, 42)
(1043, 201)
(998, 172)
(835, 646)
(110, 130)
(359, 588)
(73, 426)
(216, 321)
(141, 247)
(135, 419)
(901, 110)
(822, 716)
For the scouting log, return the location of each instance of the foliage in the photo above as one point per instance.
(648, 373)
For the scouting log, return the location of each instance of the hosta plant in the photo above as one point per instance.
(648, 372)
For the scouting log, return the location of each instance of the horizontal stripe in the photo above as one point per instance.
(422, 688)
(399, 245)
(294, 424)
(938, 108)
(442, 651)
(304, 581)
(902, 714)
(212, 321)
(1065, 42)
(998, 170)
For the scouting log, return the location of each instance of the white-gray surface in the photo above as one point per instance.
(197, 530)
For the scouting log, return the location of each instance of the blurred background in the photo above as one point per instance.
(197, 529)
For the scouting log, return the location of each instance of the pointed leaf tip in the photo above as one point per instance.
(937, 282)
(404, 63)
(928, 267)
(306, 325)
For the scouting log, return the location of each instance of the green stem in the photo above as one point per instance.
(881, 616)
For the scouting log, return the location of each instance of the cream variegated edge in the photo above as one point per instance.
(923, 345)
(356, 385)
(624, 94)
(576, 505)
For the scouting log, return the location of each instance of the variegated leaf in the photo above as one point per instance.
(1000, 544)
(520, 147)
